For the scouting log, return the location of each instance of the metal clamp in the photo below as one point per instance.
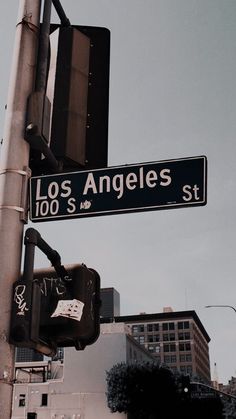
(22, 209)
(12, 207)
(19, 172)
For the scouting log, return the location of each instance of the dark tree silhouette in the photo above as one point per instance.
(152, 391)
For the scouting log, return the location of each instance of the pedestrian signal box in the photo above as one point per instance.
(51, 312)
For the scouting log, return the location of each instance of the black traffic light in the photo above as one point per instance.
(49, 312)
(78, 88)
(185, 386)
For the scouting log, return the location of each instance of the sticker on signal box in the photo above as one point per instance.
(72, 309)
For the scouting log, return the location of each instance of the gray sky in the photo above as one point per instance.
(172, 95)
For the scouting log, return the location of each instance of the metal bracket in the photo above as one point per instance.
(59, 9)
(37, 126)
(32, 239)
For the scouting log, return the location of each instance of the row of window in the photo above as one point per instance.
(184, 369)
(154, 349)
(172, 359)
(155, 327)
(165, 337)
(171, 347)
(183, 346)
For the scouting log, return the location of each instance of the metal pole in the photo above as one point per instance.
(13, 179)
(42, 68)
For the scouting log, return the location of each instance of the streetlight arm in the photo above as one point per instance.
(220, 305)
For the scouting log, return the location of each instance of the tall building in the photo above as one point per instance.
(176, 338)
(110, 299)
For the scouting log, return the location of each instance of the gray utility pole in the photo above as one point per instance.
(14, 174)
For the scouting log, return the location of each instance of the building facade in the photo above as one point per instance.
(177, 339)
(75, 389)
(229, 388)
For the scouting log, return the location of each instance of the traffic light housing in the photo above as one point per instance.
(78, 88)
(52, 312)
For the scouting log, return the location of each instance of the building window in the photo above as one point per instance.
(153, 327)
(183, 325)
(170, 359)
(169, 347)
(22, 400)
(141, 340)
(154, 348)
(185, 346)
(138, 328)
(185, 358)
(44, 399)
(168, 326)
(184, 335)
(168, 337)
(153, 338)
(157, 349)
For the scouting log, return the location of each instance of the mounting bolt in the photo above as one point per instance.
(31, 129)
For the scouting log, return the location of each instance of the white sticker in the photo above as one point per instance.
(72, 309)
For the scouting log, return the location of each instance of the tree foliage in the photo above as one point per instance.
(152, 391)
(140, 389)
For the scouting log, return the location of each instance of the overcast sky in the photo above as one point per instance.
(172, 95)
